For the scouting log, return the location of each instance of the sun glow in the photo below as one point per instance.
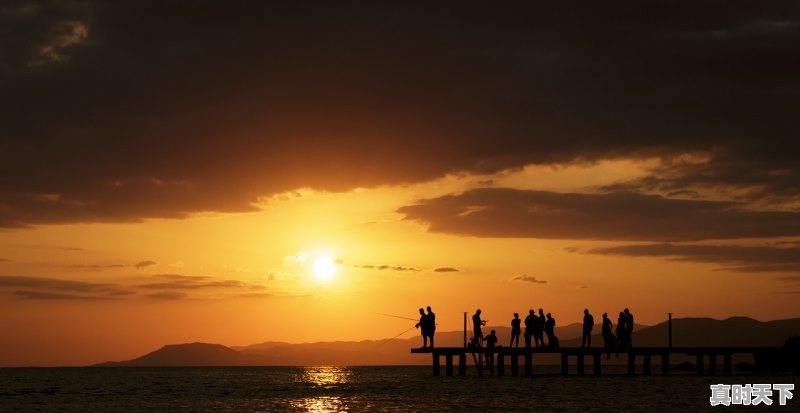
(324, 268)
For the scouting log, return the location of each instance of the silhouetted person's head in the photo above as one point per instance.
(429, 309)
(605, 315)
(586, 311)
(627, 311)
(621, 314)
(541, 311)
(492, 333)
(478, 312)
(531, 312)
(549, 316)
(421, 311)
(516, 315)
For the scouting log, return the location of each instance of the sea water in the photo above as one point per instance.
(331, 389)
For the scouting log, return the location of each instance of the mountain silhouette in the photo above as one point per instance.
(191, 354)
(687, 332)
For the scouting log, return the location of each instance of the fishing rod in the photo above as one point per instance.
(390, 339)
(401, 317)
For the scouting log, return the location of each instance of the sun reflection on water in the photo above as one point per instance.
(326, 378)
(328, 375)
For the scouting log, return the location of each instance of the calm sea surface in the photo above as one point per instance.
(322, 389)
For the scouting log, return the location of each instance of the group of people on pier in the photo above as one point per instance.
(536, 328)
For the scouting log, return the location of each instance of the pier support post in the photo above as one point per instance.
(665, 363)
(501, 363)
(448, 364)
(514, 364)
(596, 363)
(631, 362)
(564, 364)
(700, 364)
(580, 363)
(712, 364)
(647, 364)
(435, 363)
(726, 363)
(462, 364)
(528, 363)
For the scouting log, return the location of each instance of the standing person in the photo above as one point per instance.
(423, 327)
(538, 332)
(431, 319)
(588, 324)
(550, 330)
(622, 342)
(477, 323)
(629, 327)
(530, 321)
(608, 336)
(491, 341)
(515, 330)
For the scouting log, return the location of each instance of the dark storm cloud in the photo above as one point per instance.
(119, 111)
(731, 257)
(512, 213)
(528, 279)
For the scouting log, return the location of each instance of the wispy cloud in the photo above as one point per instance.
(446, 269)
(144, 264)
(528, 279)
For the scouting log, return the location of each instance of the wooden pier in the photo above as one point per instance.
(643, 354)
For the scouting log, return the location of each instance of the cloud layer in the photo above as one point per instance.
(119, 111)
(731, 257)
(503, 212)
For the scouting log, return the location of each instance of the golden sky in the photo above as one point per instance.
(244, 278)
(175, 173)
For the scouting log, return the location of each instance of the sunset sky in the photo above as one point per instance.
(173, 174)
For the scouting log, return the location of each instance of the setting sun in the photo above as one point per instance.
(324, 268)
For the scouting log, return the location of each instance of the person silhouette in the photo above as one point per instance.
(423, 327)
(629, 327)
(622, 342)
(538, 330)
(530, 321)
(477, 323)
(515, 330)
(550, 330)
(431, 320)
(588, 324)
(491, 341)
(608, 336)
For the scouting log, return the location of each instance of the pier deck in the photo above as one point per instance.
(645, 354)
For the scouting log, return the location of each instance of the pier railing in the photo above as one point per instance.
(643, 354)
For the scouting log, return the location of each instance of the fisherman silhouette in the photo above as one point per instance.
(622, 342)
(608, 336)
(515, 330)
(477, 323)
(629, 327)
(423, 327)
(588, 323)
(431, 321)
(549, 329)
(491, 341)
(530, 321)
(538, 329)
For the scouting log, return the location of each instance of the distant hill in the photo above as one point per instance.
(735, 331)
(192, 354)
